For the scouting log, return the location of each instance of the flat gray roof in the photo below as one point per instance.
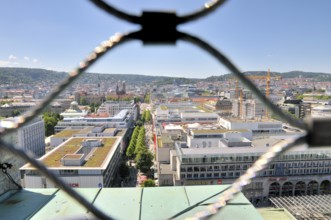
(260, 149)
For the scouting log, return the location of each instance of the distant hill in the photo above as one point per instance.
(292, 74)
(26, 75)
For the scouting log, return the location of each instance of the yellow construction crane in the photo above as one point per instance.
(267, 92)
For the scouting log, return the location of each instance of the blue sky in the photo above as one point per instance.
(283, 35)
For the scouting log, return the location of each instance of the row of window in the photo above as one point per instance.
(210, 175)
(229, 174)
(208, 136)
(284, 166)
(220, 159)
(215, 168)
(252, 158)
(322, 163)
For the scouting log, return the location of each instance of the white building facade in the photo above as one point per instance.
(297, 172)
(93, 164)
(32, 137)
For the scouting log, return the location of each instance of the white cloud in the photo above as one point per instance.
(26, 58)
(4, 63)
(12, 57)
(35, 60)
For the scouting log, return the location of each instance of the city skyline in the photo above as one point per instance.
(255, 35)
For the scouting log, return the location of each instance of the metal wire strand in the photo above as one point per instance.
(113, 11)
(4, 171)
(245, 179)
(226, 62)
(8, 127)
(58, 182)
(208, 8)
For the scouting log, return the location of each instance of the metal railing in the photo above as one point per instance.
(161, 28)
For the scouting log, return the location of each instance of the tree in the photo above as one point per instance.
(123, 170)
(148, 116)
(139, 147)
(15, 113)
(144, 161)
(139, 123)
(148, 183)
(50, 119)
(82, 101)
(130, 151)
(94, 106)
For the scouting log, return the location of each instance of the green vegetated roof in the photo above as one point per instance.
(163, 107)
(124, 203)
(66, 133)
(70, 147)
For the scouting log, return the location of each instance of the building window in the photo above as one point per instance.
(195, 175)
(68, 172)
(203, 169)
(208, 175)
(189, 169)
(189, 175)
(216, 167)
(223, 174)
(216, 174)
(202, 175)
(196, 169)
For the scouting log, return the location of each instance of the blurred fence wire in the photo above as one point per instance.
(156, 27)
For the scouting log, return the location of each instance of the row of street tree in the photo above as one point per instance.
(138, 151)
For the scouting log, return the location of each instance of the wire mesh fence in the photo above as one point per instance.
(159, 27)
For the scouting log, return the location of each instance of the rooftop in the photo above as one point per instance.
(70, 147)
(199, 114)
(97, 115)
(109, 130)
(66, 133)
(144, 203)
(163, 107)
(258, 150)
(252, 120)
(275, 214)
(213, 131)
